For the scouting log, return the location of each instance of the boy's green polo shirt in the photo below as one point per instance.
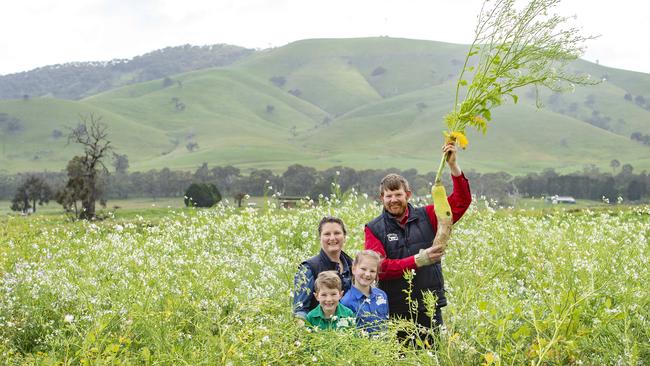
(342, 318)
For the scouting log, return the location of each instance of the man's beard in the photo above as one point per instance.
(402, 209)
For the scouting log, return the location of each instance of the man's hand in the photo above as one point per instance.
(450, 150)
(429, 256)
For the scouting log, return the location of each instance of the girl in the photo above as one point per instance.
(369, 303)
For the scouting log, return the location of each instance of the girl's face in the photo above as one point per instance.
(365, 271)
(332, 238)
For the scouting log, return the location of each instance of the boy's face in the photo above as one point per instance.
(328, 298)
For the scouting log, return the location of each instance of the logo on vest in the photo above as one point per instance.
(392, 237)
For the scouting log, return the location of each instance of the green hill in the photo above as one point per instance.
(363, 103)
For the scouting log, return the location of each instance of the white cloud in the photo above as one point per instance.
(42, 32)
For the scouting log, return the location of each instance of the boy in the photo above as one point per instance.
(329, 314)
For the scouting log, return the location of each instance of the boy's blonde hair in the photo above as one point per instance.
(328, 279)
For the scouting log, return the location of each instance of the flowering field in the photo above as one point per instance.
(213, 287)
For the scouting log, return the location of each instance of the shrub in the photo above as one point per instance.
(202, 195)
(378, 71)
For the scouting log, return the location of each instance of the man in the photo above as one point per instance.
(403, 236)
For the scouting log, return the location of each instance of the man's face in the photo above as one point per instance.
(328, 298)
(395, 201)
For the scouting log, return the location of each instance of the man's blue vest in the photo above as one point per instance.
(321, 262)
(404, 242)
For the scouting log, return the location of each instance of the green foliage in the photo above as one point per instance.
(84, 172)
(202, 195)
(213, 287)
(34, 190)
(513, 49)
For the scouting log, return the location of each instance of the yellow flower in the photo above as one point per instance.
(479, 122)
(489, 358)
(457, 137)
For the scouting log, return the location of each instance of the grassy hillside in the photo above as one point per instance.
(363, 103)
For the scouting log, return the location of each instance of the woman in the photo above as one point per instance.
(331, 231)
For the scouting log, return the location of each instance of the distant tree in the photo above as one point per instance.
(627, 169)
(33, 190)
(75, 189)
(590, 101)
(25, 97)
(379, 70)
(326, 121)
(573, 108)
(203, 174)
(628, 97)
(555, 99)
(226, 177)
(56, 134)
(92, 135)
(192, 146)
(278, 81)
(292, 131)
(421, 106)
(202, 195)
(639, 100)
(152, 186)
(295, 92)
(120, 163)
(167, 81)
(9, 126)
(614, 164)
(178, 105)
(636, 189)
(269, 108)
(258, 181)
(299, 179)
(564, 142)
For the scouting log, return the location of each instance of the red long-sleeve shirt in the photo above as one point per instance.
(391, 268)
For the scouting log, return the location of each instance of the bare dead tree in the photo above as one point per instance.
(92, 134)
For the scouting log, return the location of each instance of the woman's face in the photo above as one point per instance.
(332, 239)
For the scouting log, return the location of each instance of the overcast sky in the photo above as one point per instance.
(36, 33)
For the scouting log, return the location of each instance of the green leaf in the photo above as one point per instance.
(113, 348)
(523, 331)
(515, 98)
(463, 82)
(146, 354)
(486, 113)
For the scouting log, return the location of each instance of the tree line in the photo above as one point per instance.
(303, 181)
(79, 79)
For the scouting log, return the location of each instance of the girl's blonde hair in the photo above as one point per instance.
(367, 254)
